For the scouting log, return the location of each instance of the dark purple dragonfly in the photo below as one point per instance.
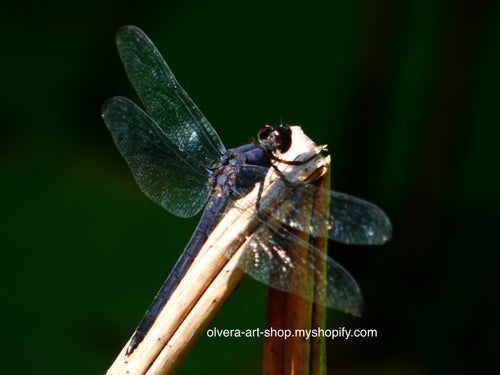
(179, 161)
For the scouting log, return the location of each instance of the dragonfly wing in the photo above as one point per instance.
(165, 100)
(160, 168)
(345, 218)
(358, 222)
(280, 259)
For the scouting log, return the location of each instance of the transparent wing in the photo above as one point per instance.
(278, 258)
(278, 255)
(348, 220)
(357, 222)
(345, 218)
(165, 100)
(161, 169)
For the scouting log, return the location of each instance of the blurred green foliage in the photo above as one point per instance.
(404, 94)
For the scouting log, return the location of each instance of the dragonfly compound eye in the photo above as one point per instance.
(265, 131)
(281, 134)
(283, 137)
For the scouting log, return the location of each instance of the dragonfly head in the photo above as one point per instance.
(280, 134)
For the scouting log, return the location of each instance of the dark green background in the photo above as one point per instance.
(404, 93)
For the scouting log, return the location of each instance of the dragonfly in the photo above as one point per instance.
(179, 161)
